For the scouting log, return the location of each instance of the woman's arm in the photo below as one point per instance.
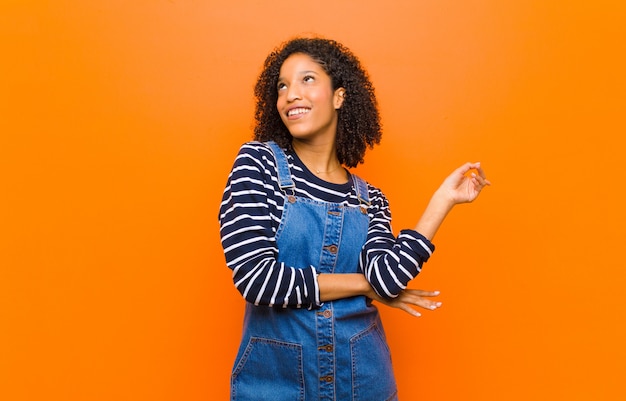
(389, 263)
(337, 286)
(249, 212)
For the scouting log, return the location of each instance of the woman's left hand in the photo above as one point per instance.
(464, 185)
(409, 298)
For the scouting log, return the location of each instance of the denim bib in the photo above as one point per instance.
(337, 352)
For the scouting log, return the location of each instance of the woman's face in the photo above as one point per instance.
(307, 103)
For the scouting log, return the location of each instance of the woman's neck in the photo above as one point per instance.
(321, 159)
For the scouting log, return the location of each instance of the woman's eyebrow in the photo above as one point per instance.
(300, 73)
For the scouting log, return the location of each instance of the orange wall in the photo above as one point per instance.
(120, 120)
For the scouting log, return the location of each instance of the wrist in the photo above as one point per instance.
(443, 200)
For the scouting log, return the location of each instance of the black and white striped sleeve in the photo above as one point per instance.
(250, 210)
(389, 262)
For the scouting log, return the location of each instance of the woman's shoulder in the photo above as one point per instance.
(255, 152)
(377, 197)
(254, 148)
(372, 189)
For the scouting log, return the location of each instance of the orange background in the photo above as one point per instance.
(120, 121)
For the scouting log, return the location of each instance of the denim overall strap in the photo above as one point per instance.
(360, 186)
(284, 175)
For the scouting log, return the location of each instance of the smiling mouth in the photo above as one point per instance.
(297, 111)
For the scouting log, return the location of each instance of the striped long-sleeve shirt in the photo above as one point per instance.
(250, 213)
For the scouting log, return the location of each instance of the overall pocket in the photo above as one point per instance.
(372, 372)
(268, 370)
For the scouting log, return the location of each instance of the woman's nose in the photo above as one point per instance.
(293, 93)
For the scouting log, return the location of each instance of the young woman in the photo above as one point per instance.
(310, 244)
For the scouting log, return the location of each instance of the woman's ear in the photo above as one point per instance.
(340, 95)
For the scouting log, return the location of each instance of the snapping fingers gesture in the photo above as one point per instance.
(465, 183)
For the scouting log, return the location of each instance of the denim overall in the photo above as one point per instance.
(337, 352)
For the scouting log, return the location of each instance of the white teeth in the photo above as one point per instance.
(300, 110)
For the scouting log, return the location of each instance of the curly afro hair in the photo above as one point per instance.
(358, 125)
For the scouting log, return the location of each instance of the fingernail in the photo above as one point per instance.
(436, 292)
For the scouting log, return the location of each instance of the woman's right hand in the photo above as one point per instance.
(465, 183)
(409, 299)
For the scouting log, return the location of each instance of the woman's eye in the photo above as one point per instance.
(281, 86)
(308, 78)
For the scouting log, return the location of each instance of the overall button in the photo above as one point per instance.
(328, 348)
(327, 379)
(327, 313)
(291, 199)
(332, 248)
